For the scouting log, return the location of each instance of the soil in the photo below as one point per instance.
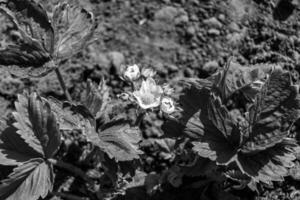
(179, 39)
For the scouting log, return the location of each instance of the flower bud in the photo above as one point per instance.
(131, 72)
(167, 105)
(124, 96)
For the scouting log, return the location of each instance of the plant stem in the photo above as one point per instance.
(139, 118)
(75, 170)
(63, 85)
(68, 196)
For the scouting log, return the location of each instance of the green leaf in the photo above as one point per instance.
(71, 117)
(96, 98)
(271, 164)
(194, 102)
(37, 125)
(235, 77)
(276, 108)
(13, 149)
(44, 125)
(23, 124)
(32, 53)
(119, 140)
(74, 27)
(32, 180)
(237, 175)
(223, 121)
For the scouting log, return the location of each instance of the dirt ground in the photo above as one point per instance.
(178, 38)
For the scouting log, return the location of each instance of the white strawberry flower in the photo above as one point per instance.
(167, 105)
(131, 72)
(149, 95)
(148, 72)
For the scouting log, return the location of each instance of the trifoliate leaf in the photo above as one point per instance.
(31, 54)
(37, 124)
(32, 180)
(256, 140)
(119, 140)
(41, 44)
(74, 27)
(96, 99)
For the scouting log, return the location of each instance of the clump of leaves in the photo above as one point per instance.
(30, 142)
(115, 137)
(255, 139)
(41, 43)
(27, 144)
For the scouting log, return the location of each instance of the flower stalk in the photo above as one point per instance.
(75, 170)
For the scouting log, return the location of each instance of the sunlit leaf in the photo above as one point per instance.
(96, 98)
(32, 180)
(74, 27)
(69, 116)
(120, 141)
(31, 54)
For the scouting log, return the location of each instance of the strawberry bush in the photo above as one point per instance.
(232, 131)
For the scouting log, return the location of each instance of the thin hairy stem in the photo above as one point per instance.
(68, 196)
(140, 118)
(75, 170)
(63, 85)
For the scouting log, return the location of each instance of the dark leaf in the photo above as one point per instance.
(13, 149)
(37, 125)
(194, 102)
(44, 124)
(237, 175)
(24, 126)
(74, 27)
(32, 180)
(271, 164)
(276, 108)
(223, 121)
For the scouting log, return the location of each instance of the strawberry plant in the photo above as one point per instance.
(234, 126)
(252, 140)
